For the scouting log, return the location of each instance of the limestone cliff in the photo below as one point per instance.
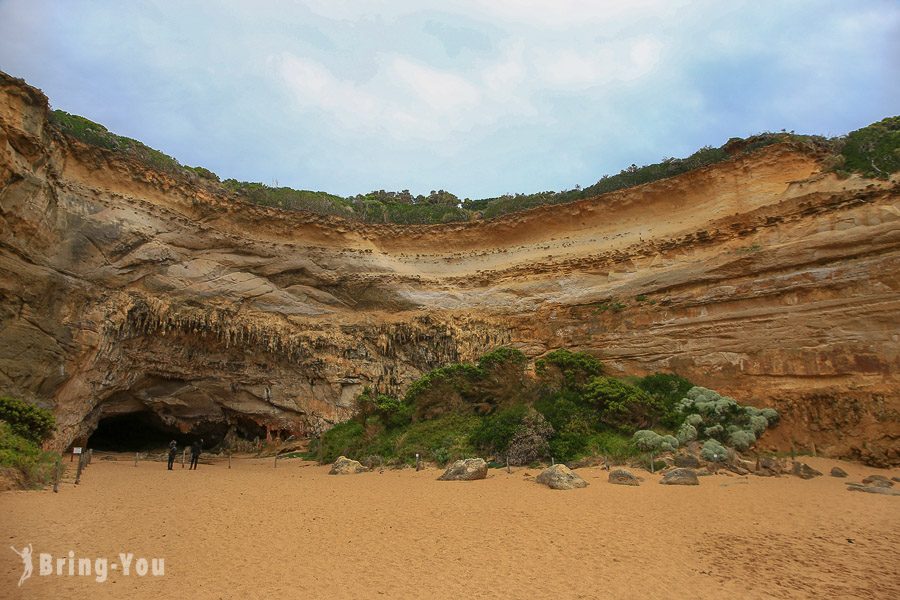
(125, 289)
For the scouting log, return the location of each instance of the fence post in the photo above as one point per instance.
(418, 464)
(135, 458)
(229, 459)
(507, 464)
(80, 467)
(57, 475)
(183, 454)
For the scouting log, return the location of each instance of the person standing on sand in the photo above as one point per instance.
(196, 448)
(173, 449)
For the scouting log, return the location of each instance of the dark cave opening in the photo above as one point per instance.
(144, 431)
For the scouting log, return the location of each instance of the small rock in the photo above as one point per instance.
(680, 477)
(469, 469)
(737, 469)
(346, 466)
(897, 479)
(804, 471)
(687, 461)
(560, 477)
(838, 472)
(878, 481)
(623, 477)
(856, 487)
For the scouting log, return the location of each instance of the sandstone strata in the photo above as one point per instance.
(127, 289)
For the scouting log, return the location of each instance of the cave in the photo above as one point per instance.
(144, 431)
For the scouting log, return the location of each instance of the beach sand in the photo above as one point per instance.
(254, 531)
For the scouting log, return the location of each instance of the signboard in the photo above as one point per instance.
(76, 450)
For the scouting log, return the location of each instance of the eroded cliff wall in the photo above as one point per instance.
(125, 289)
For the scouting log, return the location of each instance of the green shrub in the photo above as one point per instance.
(572, 441)
(566, 370)
(23, 454)
(874, 150)
(686, 433)
(441, 440)
(496, 431)
(26, 419)
(614, 445)
(713, 451)
(721, 418)
(344, 439)
(741, 440)
(622, 406)
(668, 389)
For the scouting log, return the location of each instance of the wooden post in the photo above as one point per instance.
(78, 472)
(229, 459)
(418, 464)
(507, 464)
(552, 461)
(135, 458)
(183, 454)
(57, 475)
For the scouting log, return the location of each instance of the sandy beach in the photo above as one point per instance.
(253, 531)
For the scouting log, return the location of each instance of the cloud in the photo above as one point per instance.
(478, 97)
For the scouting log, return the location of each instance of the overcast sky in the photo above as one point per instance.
(479, 98)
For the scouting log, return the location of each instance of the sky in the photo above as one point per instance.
(480, 98)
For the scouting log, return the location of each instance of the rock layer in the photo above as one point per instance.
(128, 289)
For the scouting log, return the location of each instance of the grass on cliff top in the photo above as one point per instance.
(873, 151)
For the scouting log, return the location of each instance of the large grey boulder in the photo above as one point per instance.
(872, 489)
(465, 470)
(561, 477)
(623, 477)
(346, 466)
(878, 481)
(804, 471)
(838, 472)
(680, 477)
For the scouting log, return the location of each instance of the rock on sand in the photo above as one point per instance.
(346, 466)
(560, 477)
(465, 470)
(623, 477)
(680, 477)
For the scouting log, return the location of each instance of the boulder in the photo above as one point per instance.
(623, 477)
(346, 466)
(687, 461)
(871, 489)
(680, 477)
(878, 481)
(768, 467)
(804, 471)
(468, 469)
(838, 472)
(560, 477)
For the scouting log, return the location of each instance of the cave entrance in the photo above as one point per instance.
(144, 431)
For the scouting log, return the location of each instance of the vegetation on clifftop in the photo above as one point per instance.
(873, 151)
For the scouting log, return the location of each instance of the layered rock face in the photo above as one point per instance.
(124, 289)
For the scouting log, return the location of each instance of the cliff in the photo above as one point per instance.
(126, 289)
